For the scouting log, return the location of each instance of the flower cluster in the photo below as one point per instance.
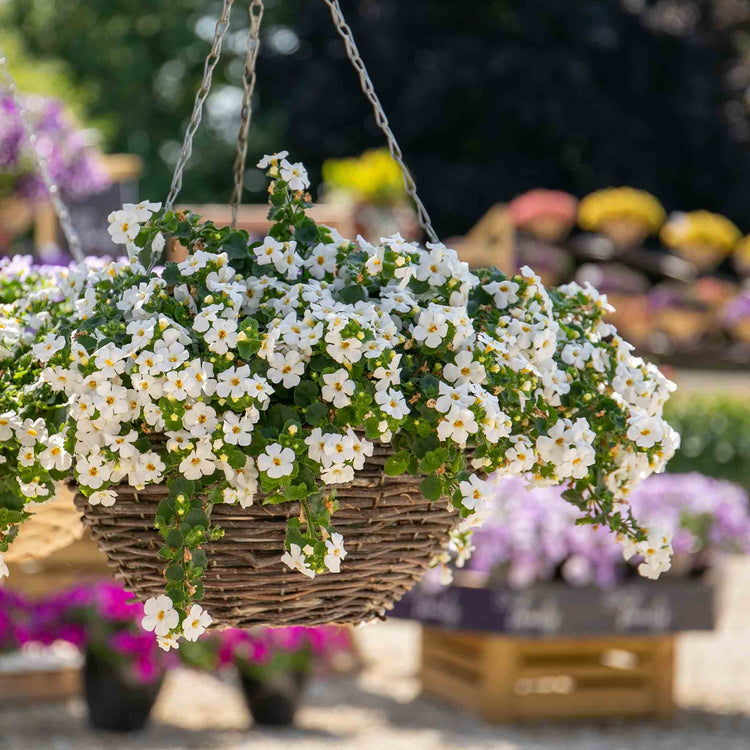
(700, 229)
(373, 177)
(617, 204)
(263, 652)
(268, 371)
(71, 160)
(103, 618)
(531, 537)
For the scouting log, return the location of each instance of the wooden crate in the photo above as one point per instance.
(52, 685)
(509, 678)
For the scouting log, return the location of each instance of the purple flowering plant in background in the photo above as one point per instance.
(15, 621)
(263, 652)
(530, 535)
(105, 619)
(72, 160)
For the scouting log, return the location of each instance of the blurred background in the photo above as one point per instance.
(602, 141)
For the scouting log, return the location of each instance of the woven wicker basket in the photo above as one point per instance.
(391, 534)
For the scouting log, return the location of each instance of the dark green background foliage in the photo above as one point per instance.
(490, 97)
(715, 434)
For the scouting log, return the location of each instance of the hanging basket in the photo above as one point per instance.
(392, 534)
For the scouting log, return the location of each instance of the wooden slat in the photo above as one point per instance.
(440, 684)
(584, 704)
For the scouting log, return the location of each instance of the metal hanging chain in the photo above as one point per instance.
(380, 117)
(63, 215)
(200, 97)
(248, 86)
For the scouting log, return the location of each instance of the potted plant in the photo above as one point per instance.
(374, 185)
(123, 668)
(273, 665)
(625, 215)
(704, 238)
(71, 159)
(314, 416)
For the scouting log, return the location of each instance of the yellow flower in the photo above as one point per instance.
(700, 229)
(617, 204)
(373, 176)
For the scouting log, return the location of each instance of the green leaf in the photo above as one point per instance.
(397, 464)
(197, 517)
(175, 573)
(236, 245)
(175, 538)
(431, 488)
(317, 414)
(171, 273)
(181, 486)
(306, 393)
(199, 559)
(351, 294)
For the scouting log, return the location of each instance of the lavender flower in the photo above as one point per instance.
(530, 535)
(72, 161)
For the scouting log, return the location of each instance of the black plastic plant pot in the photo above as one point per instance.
(273, 701)
(115, 702)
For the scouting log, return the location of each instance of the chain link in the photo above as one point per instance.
(63, 215)
(368, 89)
(200, 97)
(248, 86)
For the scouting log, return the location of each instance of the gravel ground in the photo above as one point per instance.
(381, 707)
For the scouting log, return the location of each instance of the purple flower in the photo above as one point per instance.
(71, 160)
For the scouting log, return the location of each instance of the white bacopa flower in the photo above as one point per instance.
(276, 461)
(221, 336)
(195, 623)
(123, 226)
(343, 350)
(474, 492)
(465, 370)
(457, 425)
(392, 403)
(160, 615)
(54, 456)
(92, 472)
(106, 498)
(168, 642)
(237, 429)
(295, 559)
(645, 431)
(48, 347)
(335, 553)
(233, 383)
(338, 388)
(286, 369)
(201, 420)
(199, 463)
(431, 328)
(272, 159)
(295, 175)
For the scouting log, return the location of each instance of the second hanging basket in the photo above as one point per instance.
(392, 533)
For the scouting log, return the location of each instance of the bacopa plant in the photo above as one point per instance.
(267, 371)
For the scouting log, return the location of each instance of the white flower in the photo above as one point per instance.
(31, 431)
(143, 210)
(92, 472)
(337, 474)
(392, 403)
(47, 347)
(296, 560)
(465, 370)
(168, 642)
(432, 328)
(199, 463)
(474, 492)
(238, 430)
(233, 382)
(160, 615)
(107, 498)
(123, 226)
(286, 369)
(222, 336)
(270, 251)
(503, 293)
(55, 456)
(338, 388)
(457, 425)
(195, 623)
(645, 431)
(322, 260)
(200, 420)
(276, 461)
(148, 469)
(335, 553)
(272, 159)
(344, 351)
(295, 175)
